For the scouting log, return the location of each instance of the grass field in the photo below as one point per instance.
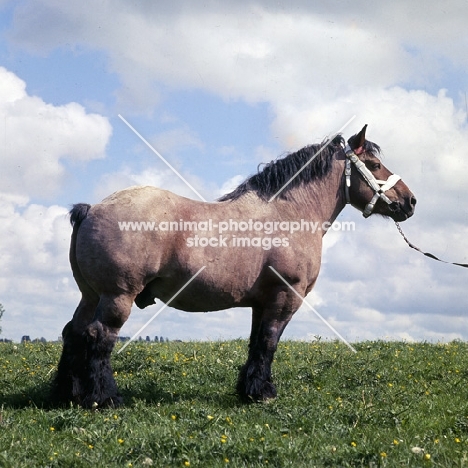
(391, 404)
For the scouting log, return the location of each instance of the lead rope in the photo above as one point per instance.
(427, 254)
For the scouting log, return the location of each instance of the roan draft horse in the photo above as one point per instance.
(114, 267)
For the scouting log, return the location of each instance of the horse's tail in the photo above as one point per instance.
(78, 213)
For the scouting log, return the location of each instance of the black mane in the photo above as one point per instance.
(272, 176)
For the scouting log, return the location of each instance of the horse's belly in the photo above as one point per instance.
(198, 295)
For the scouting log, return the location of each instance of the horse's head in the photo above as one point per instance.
(370, 186)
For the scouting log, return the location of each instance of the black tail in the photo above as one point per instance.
(78, 213)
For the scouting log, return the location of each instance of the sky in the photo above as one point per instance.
(218, 88)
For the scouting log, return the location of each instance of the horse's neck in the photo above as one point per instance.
(322, 199)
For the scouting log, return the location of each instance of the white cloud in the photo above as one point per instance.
(36, 285)
(37, 137)
(292, 53)
(35, 281)
(258, 54)
(230, 185)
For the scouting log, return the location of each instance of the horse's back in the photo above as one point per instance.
(140, 197)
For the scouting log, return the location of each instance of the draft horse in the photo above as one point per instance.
(115, 267)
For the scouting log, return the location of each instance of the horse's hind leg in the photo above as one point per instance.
(68, 383)
(84, 373)
(99, 387)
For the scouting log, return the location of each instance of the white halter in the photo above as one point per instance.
(378, 186)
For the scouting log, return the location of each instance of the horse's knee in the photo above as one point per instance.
(84, 313)
(100, 340)
(113, 311)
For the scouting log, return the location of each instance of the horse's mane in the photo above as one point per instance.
(272, 176)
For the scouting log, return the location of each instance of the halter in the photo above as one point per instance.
(378, 186)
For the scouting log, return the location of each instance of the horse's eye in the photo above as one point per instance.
(375, 166)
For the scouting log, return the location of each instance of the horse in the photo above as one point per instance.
(115, 266)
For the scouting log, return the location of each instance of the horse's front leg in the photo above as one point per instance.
(255, 382)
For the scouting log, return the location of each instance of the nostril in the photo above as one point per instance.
(413, 201)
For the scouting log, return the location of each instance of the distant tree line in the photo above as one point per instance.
(147, 339)
(27, 339)
(2, 309)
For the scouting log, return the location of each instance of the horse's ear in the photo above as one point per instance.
(357, 141)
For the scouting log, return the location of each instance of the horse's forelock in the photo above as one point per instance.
(372, 148)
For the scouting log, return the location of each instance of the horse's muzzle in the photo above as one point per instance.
(401, 211)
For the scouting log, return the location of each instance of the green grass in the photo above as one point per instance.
(335, 408)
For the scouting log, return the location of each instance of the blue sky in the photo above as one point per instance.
(81, 75)
(217, 90)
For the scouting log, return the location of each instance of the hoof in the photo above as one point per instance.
(254, 389)
(109, 402)
(258, 391)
